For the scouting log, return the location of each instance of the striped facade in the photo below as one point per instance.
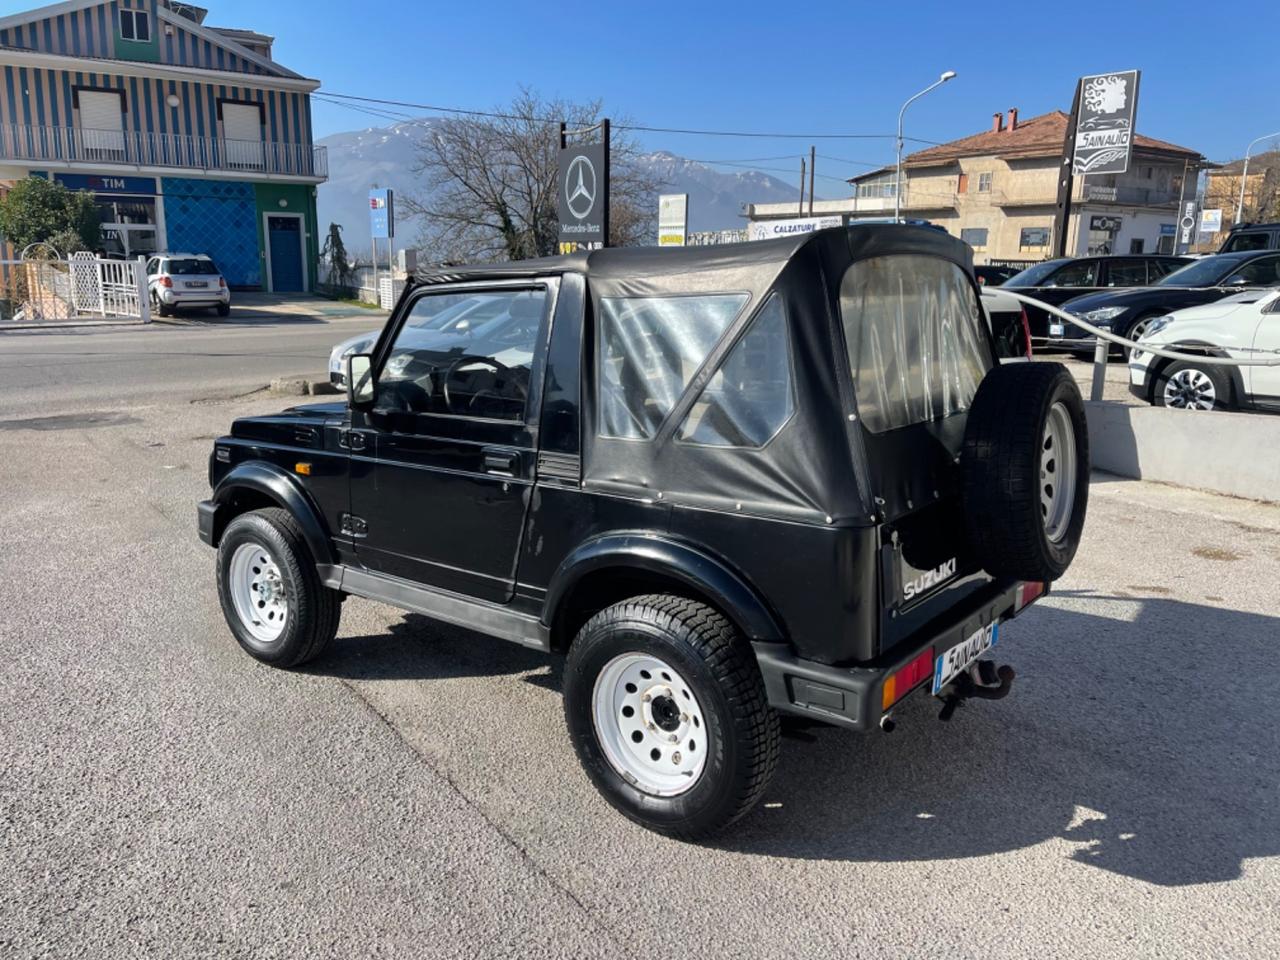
(92, 32)
(189, 164)
(45, 98)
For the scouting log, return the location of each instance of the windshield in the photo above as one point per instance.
(192, 267)
(1201, 273)
(1032, 276)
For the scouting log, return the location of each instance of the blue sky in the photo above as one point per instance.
(814, 67)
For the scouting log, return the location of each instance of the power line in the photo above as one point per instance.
(642, 128)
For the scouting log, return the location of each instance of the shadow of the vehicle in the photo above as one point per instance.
(1144, 732)
(418, 648)
(1148, 737)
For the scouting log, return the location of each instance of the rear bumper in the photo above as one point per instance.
(852, 696)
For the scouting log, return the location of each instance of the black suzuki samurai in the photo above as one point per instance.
(784, 477)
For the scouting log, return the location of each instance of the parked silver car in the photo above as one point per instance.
(186, 280)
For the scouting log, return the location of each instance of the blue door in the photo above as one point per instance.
(284, 240)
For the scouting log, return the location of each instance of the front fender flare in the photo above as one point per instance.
(699, 570)
(273, 482)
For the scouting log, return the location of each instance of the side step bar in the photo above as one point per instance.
(488, 618)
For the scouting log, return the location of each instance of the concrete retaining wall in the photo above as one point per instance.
(1233, 453)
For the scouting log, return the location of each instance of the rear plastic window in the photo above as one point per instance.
(913, 329)
(650, 348)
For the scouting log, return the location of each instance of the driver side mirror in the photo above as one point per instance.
(361, 384)
(1237, 281)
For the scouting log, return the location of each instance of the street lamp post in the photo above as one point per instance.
(1244, 174)
(897, 188)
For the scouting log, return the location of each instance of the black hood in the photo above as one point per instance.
(1165, 298)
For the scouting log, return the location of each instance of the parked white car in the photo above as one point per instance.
(186, 280)
(1243, 326)
(468, 313)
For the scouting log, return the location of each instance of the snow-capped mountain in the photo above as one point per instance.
(384, 156)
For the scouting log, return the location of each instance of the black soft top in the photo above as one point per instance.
(816, 468)
(750, 266)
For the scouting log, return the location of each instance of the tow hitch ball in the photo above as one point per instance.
(983, 680)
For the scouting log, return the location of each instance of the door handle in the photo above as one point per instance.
(500, 460)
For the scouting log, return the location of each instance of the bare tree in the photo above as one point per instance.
(489, 183)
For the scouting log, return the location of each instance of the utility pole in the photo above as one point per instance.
(813, 165)
(801, 211)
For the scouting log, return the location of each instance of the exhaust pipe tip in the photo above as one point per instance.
(888, 724)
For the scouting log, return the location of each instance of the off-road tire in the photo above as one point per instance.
(314, 609)
(742, 732)
(1000, 467)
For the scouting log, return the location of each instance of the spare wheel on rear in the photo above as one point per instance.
(1025, 467)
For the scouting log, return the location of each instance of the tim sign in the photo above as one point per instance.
(1104, 128)
(382, 214)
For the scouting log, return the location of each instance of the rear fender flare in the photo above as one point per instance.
(698, 570)
(272, 481)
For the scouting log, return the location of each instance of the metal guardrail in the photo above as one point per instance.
(1102, 337)
(181, 151)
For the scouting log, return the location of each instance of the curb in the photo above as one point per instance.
(301, 387)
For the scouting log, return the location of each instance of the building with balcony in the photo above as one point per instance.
(191, 137)
(997, 190)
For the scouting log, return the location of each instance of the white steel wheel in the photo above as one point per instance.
(1190, 389)
(258, 592)
(649, 724)
(1058, 469)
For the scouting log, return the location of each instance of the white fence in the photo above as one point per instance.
(83, 287)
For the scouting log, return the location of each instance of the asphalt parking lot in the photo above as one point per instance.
(413, 792)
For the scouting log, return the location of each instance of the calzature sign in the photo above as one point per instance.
(768, 229)
(1104, 127)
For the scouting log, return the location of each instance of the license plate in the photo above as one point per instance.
(954, 661)
(197, 283)
(1056, 329)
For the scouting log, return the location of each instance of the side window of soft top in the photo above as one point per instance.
(750, 397)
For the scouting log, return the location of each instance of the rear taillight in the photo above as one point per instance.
(1026, 332)
(166, 282)
(223, 284)
(903, 681)
(1028, 592)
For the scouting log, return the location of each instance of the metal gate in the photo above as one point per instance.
(82, 287)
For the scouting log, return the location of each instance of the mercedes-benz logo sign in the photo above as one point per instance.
(580, 186)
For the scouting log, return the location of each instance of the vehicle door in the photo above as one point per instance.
(442, 466)
(1259, 272)
(1125, 272)
(1264, 382)
(1071, 280)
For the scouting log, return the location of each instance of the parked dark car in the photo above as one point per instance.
(1057, 281)
(1251, 236)
(1128, 312)
(993, 276)
(734, 482)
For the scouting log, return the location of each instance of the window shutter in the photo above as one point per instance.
(242, 129)
(101, 124)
